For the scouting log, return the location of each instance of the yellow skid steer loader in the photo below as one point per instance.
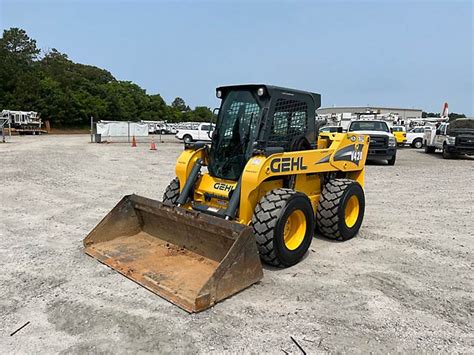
(271, 180)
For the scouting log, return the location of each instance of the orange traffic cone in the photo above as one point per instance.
(152, 144)
(134, 141)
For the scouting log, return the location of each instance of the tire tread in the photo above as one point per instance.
(327, 218)
(264, 221)
(172, 192)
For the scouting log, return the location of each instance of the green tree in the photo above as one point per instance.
(68, 93)
(199, 114)
(18, 79)
(16, 42)
(179, 104)
(454, 115)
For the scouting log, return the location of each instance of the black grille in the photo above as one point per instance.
(378, 141)
(290, 120)
(465, 141)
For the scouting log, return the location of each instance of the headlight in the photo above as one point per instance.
(260, 92)
(392, 142)
(219, 94)
(451, 140)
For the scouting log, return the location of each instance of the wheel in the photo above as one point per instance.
(341, 209)
(429, 149)
(283, 224)
(446, 154)
(163, 131)
(172, 192)
(392, 160)
(417, 143)
(187, 138)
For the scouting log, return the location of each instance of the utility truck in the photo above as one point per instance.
(452, 138)
(22, 122)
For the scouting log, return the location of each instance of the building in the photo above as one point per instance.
(404, 114)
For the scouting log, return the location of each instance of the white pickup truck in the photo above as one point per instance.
(202, 133)
(415, 137)
(383, 145)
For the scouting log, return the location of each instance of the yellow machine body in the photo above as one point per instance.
(202, 247)
(344, 153)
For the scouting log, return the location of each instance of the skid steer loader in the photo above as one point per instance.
(271, 180)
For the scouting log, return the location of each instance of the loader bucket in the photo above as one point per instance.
(189, 258)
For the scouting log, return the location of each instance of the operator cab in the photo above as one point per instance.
(260, 118)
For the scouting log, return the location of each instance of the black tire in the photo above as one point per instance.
(417, 143)
(331, 212)
(187, 138)
(392, 160)
(163, 131)
(429, 149)
(269, 221)
(446, 154)
(171, 193)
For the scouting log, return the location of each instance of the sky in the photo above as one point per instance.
(389, 53)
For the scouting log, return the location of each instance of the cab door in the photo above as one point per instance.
(440, 135)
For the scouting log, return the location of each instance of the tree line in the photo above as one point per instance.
(68, 94)
(452, 115)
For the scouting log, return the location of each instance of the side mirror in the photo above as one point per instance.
(391, 130)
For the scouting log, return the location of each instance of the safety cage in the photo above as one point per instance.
(288, 115)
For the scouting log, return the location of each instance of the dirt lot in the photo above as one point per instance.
(404, 284)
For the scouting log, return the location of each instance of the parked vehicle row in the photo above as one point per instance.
(412, 137)
(452, 139)
(163, 127)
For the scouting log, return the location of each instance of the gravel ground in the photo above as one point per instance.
(404, 284)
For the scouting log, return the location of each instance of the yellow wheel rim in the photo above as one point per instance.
(295, 229)
(351, 212)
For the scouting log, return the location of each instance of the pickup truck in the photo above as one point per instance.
(202, 133)
(415, 137)
(453, 138)
(383, 145)
(400, 135)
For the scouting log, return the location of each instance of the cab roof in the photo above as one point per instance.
(271, 89)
